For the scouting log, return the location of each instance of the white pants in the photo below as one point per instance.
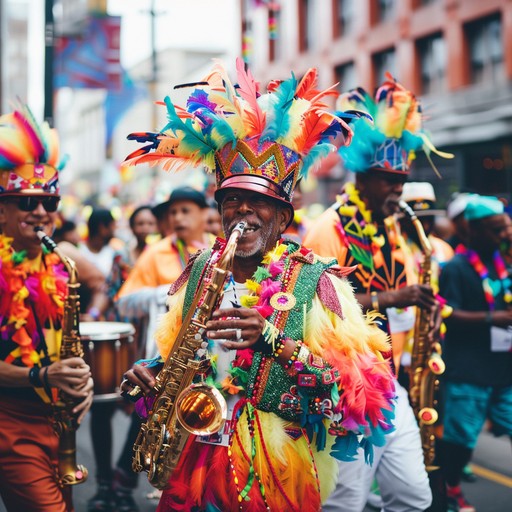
(398, 467)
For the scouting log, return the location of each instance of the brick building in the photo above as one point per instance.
(455, 54)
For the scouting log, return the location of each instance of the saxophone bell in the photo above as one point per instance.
(201, 409)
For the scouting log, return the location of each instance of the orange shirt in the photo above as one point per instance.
(159, 264)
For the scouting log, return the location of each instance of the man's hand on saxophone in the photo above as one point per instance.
(239, 328)
(141, 376)
(73, 377)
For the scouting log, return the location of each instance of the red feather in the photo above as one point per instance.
(314, 126)
(248, 90)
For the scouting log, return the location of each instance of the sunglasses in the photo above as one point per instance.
(30, 203)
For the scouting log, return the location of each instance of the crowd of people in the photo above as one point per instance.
(314, 339)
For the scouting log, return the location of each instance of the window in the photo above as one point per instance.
(421, 3)
(485, 51)
(343, 11)
(384, 62)
(346, 76)
(307, 27)
(385, 10)
(275, 38)
(432, 56)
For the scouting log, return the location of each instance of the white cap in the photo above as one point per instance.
(458, 205)
(418, 190)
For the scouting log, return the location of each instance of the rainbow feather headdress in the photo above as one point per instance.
(262, 142)
(29, 155)
(390, 143)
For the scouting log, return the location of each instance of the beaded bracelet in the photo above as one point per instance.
(34, 378)
(293, 357)
(281, 343)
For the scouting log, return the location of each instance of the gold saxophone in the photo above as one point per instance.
(64, 421)
(426, 362)
(182, 408)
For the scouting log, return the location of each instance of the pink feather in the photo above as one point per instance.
(248, 90)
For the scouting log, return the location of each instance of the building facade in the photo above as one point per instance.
(455, 54)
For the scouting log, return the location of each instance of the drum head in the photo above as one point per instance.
(105, 331)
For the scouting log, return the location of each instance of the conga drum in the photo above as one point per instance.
(109, 350)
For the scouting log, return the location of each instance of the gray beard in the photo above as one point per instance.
(266, 232)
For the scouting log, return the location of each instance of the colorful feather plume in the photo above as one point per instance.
(389, 143)
(26, 141)
(217, 113)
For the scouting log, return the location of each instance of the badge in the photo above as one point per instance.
(283, 301)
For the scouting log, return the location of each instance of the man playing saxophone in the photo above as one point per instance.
(33, 291)
(290, 351)
(360, 230)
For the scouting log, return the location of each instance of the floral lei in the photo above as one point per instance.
(263, 285)
(25, 291)
(357, 228)
(479, 267)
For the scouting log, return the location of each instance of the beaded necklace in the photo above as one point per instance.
(26, 293)
(479, 267)
(357, 227)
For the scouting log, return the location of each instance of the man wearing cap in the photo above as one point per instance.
(33, 288)
(291, 353)
(360, 230)
(478, 344)
(420, 196)
(455, 212)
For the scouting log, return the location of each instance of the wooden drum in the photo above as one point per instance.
(109, 350)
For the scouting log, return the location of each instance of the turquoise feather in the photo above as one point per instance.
(278, 117)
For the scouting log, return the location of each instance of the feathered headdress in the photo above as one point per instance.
(390, 143)
(257, 142)
(29, 155)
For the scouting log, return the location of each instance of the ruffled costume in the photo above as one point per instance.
(336, 392)
(303, 419)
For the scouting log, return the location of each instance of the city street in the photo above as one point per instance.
(492, 492)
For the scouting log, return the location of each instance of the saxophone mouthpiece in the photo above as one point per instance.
(240, 227)
(407, 209)
(45, 239)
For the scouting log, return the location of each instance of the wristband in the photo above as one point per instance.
(375, 301)
(46, 384)
(34, 378)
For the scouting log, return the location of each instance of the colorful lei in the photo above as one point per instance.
(25, 294)
(264, 283)
(358, 230)
(479, 267)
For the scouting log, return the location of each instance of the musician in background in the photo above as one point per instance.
(289, 335)
(360, 230)
(33, 287)
(421, 198)
(477, 347)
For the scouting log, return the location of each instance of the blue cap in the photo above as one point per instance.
(480, 207)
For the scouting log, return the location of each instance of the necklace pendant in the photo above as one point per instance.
(283, 301)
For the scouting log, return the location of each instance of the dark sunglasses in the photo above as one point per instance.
(30, 203)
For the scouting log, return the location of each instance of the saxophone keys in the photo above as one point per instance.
(436, 364)
(428, 416)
